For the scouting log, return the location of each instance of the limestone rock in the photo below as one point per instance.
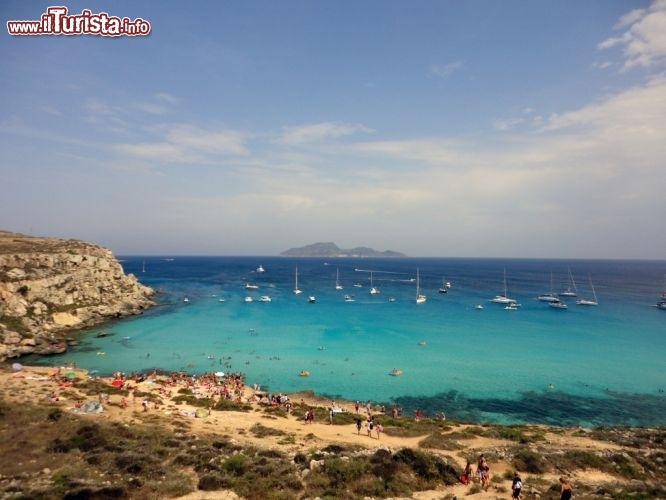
(49, 286)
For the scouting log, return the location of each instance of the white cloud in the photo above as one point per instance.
(292, 136)
(644, 42)
(602, 64)
(168, 98)
(630, 18)
(228, 142)
(185, 143)
(508, 123)
(444, 71)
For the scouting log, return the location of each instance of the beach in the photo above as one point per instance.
(57, 388)
(534, 365)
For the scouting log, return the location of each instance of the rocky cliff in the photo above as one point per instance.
(50, 286)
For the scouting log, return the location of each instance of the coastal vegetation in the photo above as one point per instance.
(50, 452)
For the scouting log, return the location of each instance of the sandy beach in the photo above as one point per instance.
(159, 394)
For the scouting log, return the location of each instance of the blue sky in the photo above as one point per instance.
(434, 128)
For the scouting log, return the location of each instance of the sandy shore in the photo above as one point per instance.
(36, 384)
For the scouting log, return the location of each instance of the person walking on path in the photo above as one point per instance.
(516, 486)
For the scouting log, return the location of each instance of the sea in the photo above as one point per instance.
(457, 356)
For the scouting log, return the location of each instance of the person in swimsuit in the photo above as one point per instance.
(565, 489)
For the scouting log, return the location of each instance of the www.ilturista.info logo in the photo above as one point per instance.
(55, 21)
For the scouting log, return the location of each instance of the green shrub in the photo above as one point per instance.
(529, 461)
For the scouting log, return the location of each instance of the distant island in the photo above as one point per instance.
(332, 250)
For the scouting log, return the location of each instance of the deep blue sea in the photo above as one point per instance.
(603, 365)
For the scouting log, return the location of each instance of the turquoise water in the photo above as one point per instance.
(600, 365)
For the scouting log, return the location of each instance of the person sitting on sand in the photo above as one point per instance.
(467, 473)
(565, 489)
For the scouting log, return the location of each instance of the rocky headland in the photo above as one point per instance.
(50, 287)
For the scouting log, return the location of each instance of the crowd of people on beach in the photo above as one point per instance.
(231, 386)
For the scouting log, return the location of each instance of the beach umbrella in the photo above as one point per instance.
(70, 375)
(17, 367)
(117, 383)
(219, 374)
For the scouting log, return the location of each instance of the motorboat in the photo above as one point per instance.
(261, 269)
(445, 286)
(312, 299)
(248, 299)
(250, 286)
(265, 298)
(558, 304)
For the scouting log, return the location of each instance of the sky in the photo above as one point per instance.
(518, 128)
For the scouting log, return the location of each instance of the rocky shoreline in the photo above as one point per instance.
(50, 287)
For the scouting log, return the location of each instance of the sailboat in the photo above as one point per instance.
(549, 297)
(445, 286)
(338, 286)
(589, 302)
(662, 303)
(373, 290)
(504, 298)
(420, 298)
(296, 290)
(143, 268)
(571, 290)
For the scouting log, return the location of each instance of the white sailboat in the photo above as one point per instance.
(549, 297)
(420, 298)
(589, 302)
(373, 290)
(338, 286)
(571, 290)
(296, 289)
(662, 302)
(504, 298)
